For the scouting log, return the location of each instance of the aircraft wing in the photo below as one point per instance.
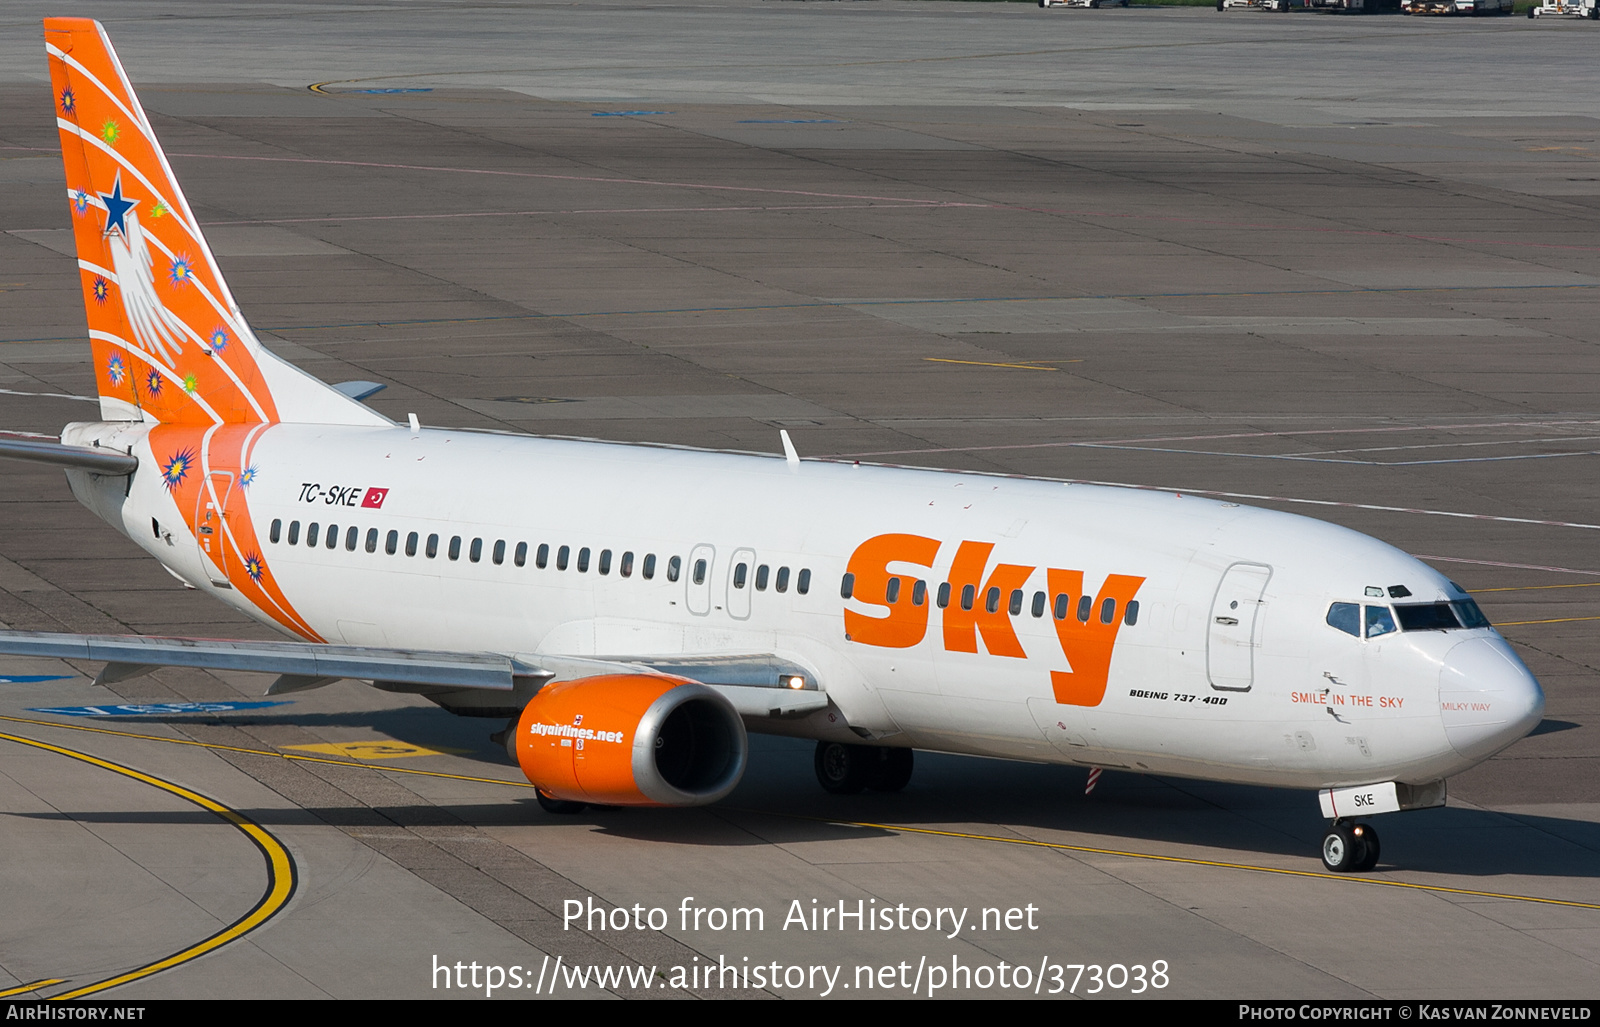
(758, 685)
(299, 665)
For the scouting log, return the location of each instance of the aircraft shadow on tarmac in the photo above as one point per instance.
(779, 802)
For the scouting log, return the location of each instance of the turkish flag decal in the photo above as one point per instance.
(374, 498)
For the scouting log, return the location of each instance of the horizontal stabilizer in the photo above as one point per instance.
(88, 458)
(299, 660)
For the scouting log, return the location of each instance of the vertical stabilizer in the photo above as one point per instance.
(170, 344)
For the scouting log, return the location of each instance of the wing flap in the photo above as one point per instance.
(297, 663)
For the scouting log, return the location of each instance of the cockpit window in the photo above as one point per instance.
(1346, 617)
(1426, 616)
(1471, 616)
(1379, 621)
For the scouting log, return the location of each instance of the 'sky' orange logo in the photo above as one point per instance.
(977, 605)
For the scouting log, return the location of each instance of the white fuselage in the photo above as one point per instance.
(1277, 696)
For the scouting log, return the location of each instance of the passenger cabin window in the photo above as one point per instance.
(1108, 611)
(891, 592)
(1040, 601)
(741, 572)
(649, 569)
(455, 547)
(1063, 604)
(919, 593)
(1130, 613)
(802, 583)
(944, 594)
(294, 533)
(475, 553)
(1085, 605)
(522, 554)
(762, 573)
(391, 544)
(991, 601)
(311, 533)
(274, 534)
(847, 587)
(433, 547)
(699, 572)
(563, 555)
(625, 568)
(1379, 621)
(499, 555)
(968, 593)
(605, 561)
(1016, 602)
(332, 537)
(783, 579)
(411, 544)
(351, 536)
(674, 568)
(583, 560)
(372, 540)
(541, 558)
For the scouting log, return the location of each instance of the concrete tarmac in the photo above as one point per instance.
(1341, 266)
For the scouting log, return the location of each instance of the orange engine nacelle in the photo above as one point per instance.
(631, 740)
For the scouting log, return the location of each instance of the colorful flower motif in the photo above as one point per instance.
(189, 383)
(101, 288)
(182, 272)
(117, 370)
(152, 382)
(219, 339)
(110, 132)
(69, 103)
(247, 477)
(254, 567)
(159, 209)
(176, 468)
(80, 202)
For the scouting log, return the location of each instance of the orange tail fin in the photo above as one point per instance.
(170, 344)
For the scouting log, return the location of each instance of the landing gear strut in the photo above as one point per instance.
(1350, 848)
(846, 769)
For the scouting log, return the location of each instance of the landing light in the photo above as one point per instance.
(795, 681)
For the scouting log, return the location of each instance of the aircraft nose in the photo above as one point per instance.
(1487, 697)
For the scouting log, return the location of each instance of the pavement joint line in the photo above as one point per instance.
(1191, 861)
(282, 875)
(1336, 502)
(24, 989)
(262, 752)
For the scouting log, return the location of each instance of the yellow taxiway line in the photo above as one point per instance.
(281, 874)
(23, 989)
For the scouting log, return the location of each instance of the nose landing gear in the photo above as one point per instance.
(1350, 848)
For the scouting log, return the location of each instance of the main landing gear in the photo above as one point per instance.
(1350, 848)
(846, 769)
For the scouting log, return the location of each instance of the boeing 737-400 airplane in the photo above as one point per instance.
(634, 610)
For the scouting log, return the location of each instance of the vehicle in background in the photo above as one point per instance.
(1570, 8)
(1457, 6)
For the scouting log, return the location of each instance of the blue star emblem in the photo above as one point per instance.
(117, 208)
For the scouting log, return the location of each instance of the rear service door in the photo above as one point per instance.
(1234, 632)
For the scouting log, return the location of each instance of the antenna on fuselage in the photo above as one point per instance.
(789, 454)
